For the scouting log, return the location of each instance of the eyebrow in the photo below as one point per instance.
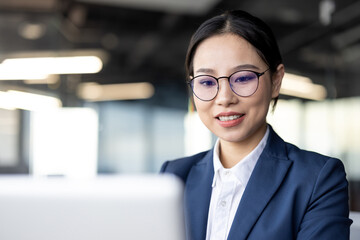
(205, 70)
(234, 69)
(245, 67)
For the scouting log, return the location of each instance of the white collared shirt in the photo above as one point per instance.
(227, 189)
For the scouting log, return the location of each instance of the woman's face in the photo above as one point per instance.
(230, 117)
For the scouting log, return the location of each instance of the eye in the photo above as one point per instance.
(243, 77)
(206, 82)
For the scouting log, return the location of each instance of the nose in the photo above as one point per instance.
(225, 96)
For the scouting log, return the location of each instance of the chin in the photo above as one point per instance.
(241, 135)
(232, 137)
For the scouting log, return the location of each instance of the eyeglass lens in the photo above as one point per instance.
(243, 83)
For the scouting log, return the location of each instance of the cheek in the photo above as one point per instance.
(200, 107)
(261, 100)
(203, 109)
(266, 92)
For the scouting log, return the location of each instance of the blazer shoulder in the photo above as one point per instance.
(307, 157)
(301, 159)
(182, 166)
(310, 164)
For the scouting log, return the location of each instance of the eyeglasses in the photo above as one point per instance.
(243, 83)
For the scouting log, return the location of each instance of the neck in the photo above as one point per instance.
(232, 153)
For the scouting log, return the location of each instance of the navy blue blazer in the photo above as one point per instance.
(291, 194)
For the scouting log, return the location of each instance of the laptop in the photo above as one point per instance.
(103, 208)
(355, 226)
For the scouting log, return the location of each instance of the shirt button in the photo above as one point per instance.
(223, 203)
(227, 173)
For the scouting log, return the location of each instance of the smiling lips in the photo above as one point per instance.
(229, 119)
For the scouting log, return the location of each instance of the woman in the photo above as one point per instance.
(252, 185)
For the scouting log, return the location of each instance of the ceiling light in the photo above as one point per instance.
(302, 87)
(42, 67)
(32, 31)
(9, 75)
(110, 92)
(326, 9)
(12, 99)
(50, 80)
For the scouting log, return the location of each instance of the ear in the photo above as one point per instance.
(277, 79)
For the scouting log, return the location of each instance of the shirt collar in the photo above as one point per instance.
(245, 167)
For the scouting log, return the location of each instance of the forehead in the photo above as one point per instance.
(225, 51)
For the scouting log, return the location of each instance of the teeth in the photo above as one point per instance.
(229, 118)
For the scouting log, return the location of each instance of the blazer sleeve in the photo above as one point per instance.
(327, 214)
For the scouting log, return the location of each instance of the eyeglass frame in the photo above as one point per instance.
(258, 75)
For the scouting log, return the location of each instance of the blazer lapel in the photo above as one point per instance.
(197, 197)
(266, 178)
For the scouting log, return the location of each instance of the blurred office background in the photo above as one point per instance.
(93, 87)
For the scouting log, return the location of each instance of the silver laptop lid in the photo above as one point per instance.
(106, 208)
